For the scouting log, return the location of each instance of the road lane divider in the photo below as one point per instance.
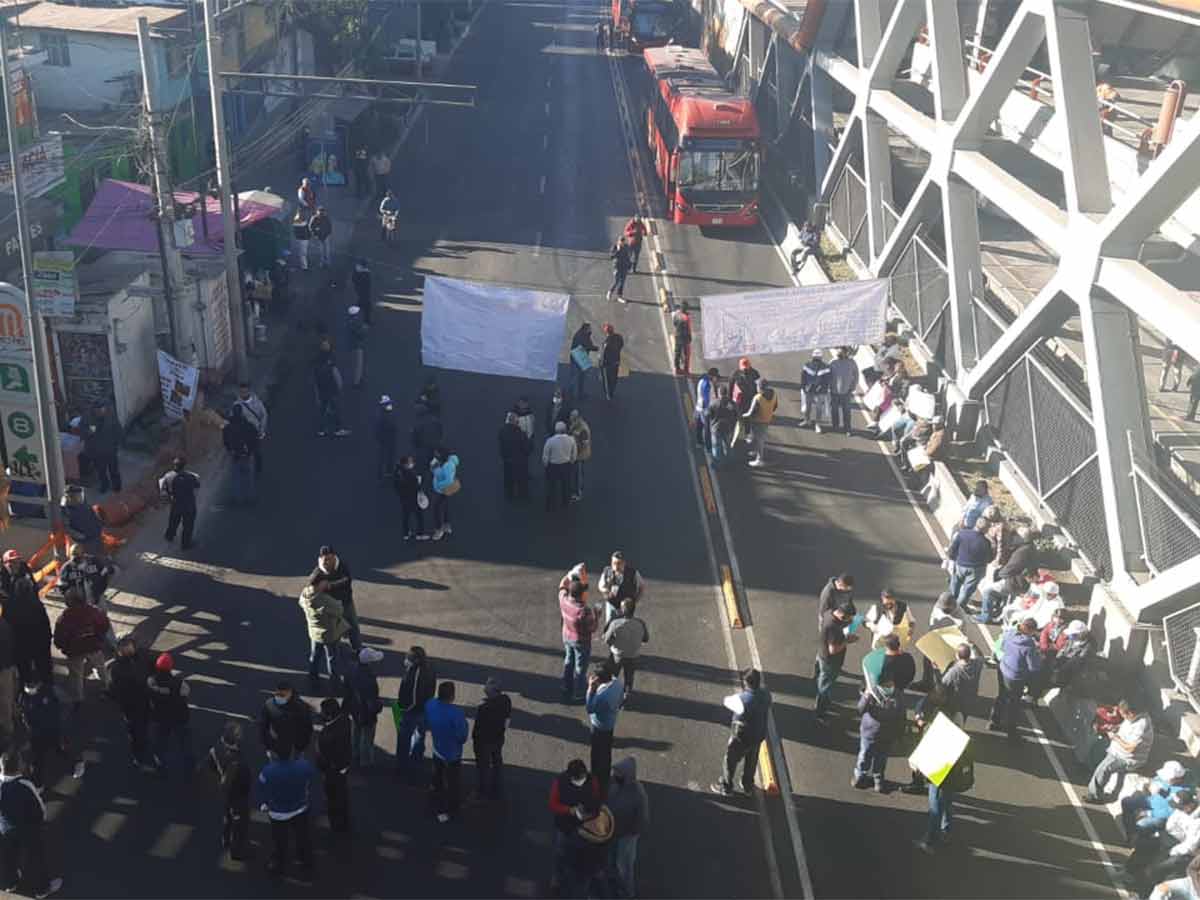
(706, 488)
(731, 601)
(664, 299)
(660, 261)
(766, 770)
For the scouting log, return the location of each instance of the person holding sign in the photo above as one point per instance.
(582, 346)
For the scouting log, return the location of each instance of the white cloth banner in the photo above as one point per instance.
(795, 319)
(178, 382)
(492, 329)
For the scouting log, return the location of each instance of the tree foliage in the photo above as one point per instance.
(338, 27)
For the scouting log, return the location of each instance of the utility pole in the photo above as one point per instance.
(419, 44)
(237, 319)
(42, 383)
(172, 263)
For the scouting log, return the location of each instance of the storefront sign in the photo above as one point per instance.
(14, 328)
(22, 440)
(41, 166)
(54, 282)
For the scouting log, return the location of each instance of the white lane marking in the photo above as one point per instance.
(547, 107)
(545, 141)
(537, 244)
(633, 157)
(542, 185)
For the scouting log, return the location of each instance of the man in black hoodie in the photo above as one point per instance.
(838, 590)
(170, 714)
(514, 457)
(8, 682)
(331, 569)
(129, 675)
(408, 485)
(285, 723)
(234, 781)
(23, 610)
(333, 759)
(416, 687)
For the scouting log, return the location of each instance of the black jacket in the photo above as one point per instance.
(21, 807)
(416, 687)
(181, 487)
(101, 437)
(362, 286)
(427, 432)
(408, 482)
(610, 350)
(8, 646)
(832, 598)
(491, 719)
(321, 226)
(385, 430)
(514, 445)
(562, 414)
(621, 256)
(583, 338)
(130, 677)
(168, 699)
(287, 728)
(341, 582)
(1023, 558)
(23, 610)
(333, 746)
(240, 438)
(234, 777)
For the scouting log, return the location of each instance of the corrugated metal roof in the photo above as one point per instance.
(96, 20)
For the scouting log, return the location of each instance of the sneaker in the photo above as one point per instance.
(422, 537)
(574, 498)
(722, 789)
(443, 818)
(924, 846)
(80, 768)
(857, 782)
(322, 434)
(880, 786)
(448, 528)
(341, 432)
(438, 535)
(409, 536)
(817, 428)
(756, 463)
(53, 887)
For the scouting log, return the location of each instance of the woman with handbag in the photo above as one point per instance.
(445, 486)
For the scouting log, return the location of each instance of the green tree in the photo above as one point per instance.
(338, 27)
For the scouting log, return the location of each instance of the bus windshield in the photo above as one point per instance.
(652, 23)
(734, 169)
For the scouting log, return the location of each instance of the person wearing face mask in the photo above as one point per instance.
(285, 722)
(558, 409)
(572, 793)
(416, 688)
(408, 486)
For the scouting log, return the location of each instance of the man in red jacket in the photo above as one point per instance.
(574, 796)
(635, 230)
(80, 634)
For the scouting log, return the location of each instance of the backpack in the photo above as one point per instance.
(961, 777)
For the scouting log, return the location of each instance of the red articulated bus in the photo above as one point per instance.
(644, 23)
(705, 139)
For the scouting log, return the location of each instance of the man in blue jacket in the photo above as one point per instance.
(283, 789)
(1020, 660)
(448, 726)
(969, 554)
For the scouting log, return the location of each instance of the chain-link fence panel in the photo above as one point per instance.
(1012, 420)
(904, 286)
(939, 343)
(1170, 537)
(1180, 629)
(890, 219)
(1079, 507)
(933, 287)
(987, 329)
(1065, 438)
(838, 209)
(859, 233)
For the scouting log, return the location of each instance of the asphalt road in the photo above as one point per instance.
(483, 602)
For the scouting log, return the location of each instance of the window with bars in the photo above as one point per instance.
(58, 49)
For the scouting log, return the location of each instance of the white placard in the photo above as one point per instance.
(492, 329)
(920, 402)
(793, 320)
(178, 383)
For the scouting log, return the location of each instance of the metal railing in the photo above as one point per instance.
(1170, 533)
(1181, 631)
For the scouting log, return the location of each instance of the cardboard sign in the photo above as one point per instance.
(940, 747)
(940, 645)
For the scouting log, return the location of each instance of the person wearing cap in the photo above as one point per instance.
(559, 454)
(743, 385)
(515, 447)
(87, 573)
(81, 633)
(759, 417)
(356, 342)
(833, 638)
(487, 738)
(706, 397)
(573, 792)
(179, 486)
(1070, 659)
(82, 524)
(129, 672)
(630, 808)
(234, 781)
(361, 701)
(843, 382)
(24, 611)
(750, 707)
(814, 391)
(681, 323)
(170, 714)
(360, 280)
(22, 828)
(1145, 812)
(1019, 663)
(254, 411)
(321, 228)
(327, 625)
(334, 753)
(285, 722)
(1128, 750)
(385, 437)
(331, 568)
(610, 359)
(1168, 853)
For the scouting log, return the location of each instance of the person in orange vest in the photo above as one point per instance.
(635, 230)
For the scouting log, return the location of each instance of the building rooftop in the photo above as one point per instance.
(97, 20)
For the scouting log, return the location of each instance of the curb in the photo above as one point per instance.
(731, 601)
(766, 770)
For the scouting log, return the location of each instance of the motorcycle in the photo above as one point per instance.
(389, 221)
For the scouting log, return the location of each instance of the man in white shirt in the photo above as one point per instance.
(558, 456)
(1128, 750)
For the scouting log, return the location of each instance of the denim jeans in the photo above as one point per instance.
(576, 657)
(183, 738)
(827, 673)
(1109, 766)
(363, 746)
(242, 484)
(719, 448)
(622, 860)
(964, 580)
(329, 415)
(410, 745)
(941, 813)
(839, 412)
(318, 649)
(872, 758)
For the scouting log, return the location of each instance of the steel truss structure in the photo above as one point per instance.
(1093, 476)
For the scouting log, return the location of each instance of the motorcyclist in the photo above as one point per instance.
(389, 210)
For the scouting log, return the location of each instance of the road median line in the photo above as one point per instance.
(706, 488)
(766, 770)
(664, 298)
(731, 601)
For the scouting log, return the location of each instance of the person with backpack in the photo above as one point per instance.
(681, 322)
(959, 780)
(408, 486)
(445, 485)
(883, 718)
(170, 714)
